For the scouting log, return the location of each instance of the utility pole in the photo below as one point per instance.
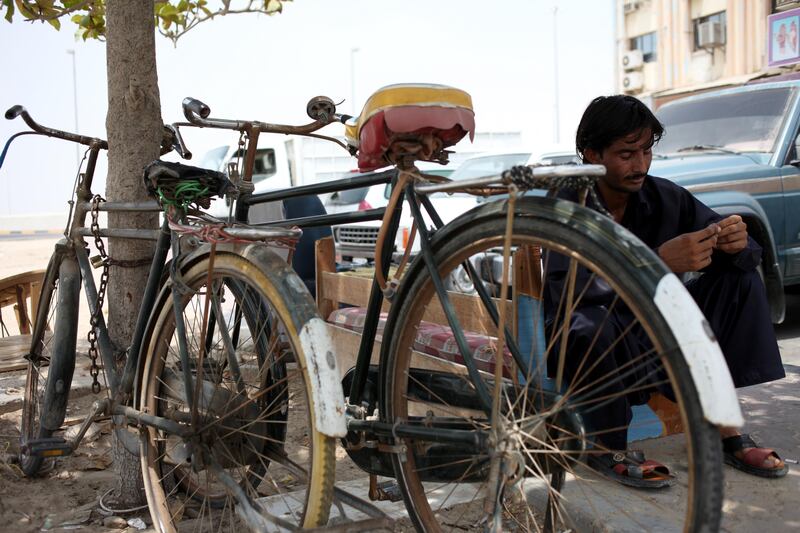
(75, 103)
(556, 118)
(353, 52)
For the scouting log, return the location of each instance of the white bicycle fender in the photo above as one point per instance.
(326, 386)
(701, 351)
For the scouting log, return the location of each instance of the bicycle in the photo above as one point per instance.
(478, 445)
(225, 361)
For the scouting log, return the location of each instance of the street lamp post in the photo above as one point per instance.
(353, 80)
(75, 102)
(556, 119)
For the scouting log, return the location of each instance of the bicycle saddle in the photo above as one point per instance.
(177, 183)
(410, 119)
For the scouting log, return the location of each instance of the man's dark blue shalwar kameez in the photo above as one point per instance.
(730, 294)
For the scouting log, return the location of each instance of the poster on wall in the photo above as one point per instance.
(784, 46)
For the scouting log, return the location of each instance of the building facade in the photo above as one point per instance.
(670, 48)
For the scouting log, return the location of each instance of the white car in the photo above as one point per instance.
(271, 172)
(358, 239)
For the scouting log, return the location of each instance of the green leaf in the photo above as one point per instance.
(273, 6)
(167, 10)
(9, 9)
(54, 23)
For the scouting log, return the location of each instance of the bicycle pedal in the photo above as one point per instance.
(49, 447)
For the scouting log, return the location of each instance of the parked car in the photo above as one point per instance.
(563, 156)
(737, 151)
(358, 240)
(271, 171)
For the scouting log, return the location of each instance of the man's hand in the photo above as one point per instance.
(732, 237)
(690, 252)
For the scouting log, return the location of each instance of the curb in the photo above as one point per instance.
(30, 232)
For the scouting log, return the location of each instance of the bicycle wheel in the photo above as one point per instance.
(546, 433)
(252, 441)
(52, 358)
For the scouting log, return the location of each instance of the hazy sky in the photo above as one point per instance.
(266, 68)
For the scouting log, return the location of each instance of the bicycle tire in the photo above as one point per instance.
(274, 305)
(53, 339)
(633, 271)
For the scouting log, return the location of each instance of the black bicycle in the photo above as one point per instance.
(478, 401)
(224, 365)
(477, 445)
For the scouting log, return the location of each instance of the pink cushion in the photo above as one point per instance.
(449, 125)
(432, 339)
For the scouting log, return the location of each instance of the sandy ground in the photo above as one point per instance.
(65, 497)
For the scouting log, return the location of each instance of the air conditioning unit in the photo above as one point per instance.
(632, 60)
(630, 6)
(632, 82)
(710, 34)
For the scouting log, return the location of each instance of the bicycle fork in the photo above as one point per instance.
(61, 364)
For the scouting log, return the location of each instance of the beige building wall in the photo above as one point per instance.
(678, 66)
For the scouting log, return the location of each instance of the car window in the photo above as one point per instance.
(213, 159)
(352, 196)
(747, 121)
(561, 159)
(489, 165)
(264, 166)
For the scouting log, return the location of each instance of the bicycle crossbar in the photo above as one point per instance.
(151, 206)
(344, 184)
(122, 233)
(329, 220)
(559, 171)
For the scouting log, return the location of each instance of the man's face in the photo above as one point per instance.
(627, 161)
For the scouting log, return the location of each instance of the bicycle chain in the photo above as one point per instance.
(94, 371)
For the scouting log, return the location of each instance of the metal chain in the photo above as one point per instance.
(522, 176)
(94, 371)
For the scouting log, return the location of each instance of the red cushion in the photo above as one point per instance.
(432, 339)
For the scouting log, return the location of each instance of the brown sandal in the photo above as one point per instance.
(752, 460)
(632, 469)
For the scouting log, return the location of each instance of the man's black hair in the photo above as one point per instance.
(609, 118)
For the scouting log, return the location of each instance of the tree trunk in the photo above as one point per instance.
(134, 131)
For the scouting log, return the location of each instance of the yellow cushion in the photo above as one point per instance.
(416, 94)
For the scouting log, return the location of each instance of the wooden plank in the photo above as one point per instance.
(346, 288)
(346, 343)
(354, 290)
(471, 313)
(13, 348)
(325, 258)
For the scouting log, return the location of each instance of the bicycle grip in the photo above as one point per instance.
(192, 105)
(14, 111)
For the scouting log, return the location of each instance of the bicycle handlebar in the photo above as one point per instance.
(197, 113)
(171, 140)
(194, 106)
(19, 111)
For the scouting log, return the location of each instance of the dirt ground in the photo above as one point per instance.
(66, 495)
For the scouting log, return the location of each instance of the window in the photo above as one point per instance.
(716, 17)
(745, 121)
(647, 43)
